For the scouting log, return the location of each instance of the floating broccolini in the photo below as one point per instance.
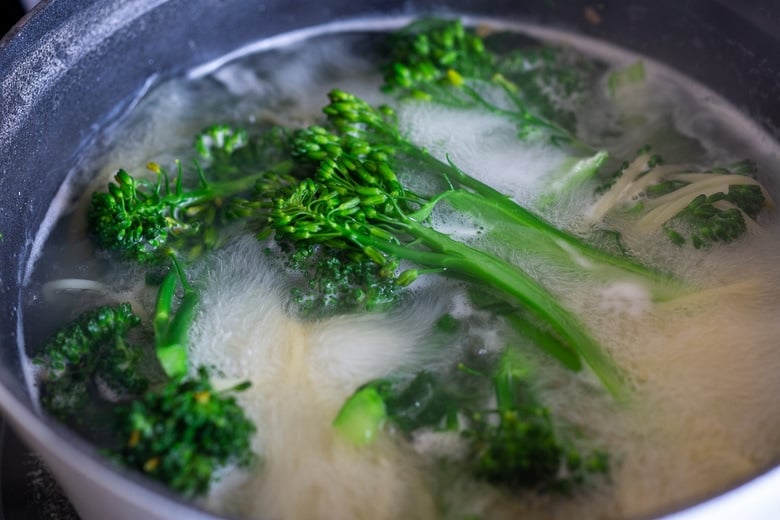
(441, 61)
(516, 445)
(340, 283)
(146, 221)
(90, 353)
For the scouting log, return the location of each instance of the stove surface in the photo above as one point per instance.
(27, 489)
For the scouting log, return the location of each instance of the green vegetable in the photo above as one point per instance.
(423, 402)
(361, 417)
(630, 75)
(516, 445)
(513, 444)
(440, 61)
(553, 81)
(144, 221)
(88, 358)
(355, 202)
(338, 283)
(79, 340)
(705, 207)
(183, 433)
(171, 329)
(570, 179)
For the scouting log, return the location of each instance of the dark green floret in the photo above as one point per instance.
(90, 361)
(181, 434)
(337, 282)
(516, 444)
(79, 341)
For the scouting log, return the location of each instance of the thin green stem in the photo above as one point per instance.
(214, 190)
(460, 260)
(486, 200)
(171, 330)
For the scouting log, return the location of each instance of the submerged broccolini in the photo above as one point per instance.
(685, 202)
(513, 445)
(175, 428)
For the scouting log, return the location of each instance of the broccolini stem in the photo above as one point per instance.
(461, 260)
(211, 191)
(487, 199)
(345, 109)
(171, 330)
(546, 341)
(663, 285)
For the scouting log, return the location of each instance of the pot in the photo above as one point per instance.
(71, 68)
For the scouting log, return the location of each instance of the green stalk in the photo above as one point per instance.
(162, 310)
(567, 246)
(461, 260)
(171, 330)
(502, 207)
(505, 381)
(215, 190)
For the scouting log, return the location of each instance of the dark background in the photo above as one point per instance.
(10, 12)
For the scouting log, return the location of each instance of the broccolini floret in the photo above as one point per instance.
(182, 434)
(443, 62)
(90, 362)
(516, 445)
(145, 220)
(78, 341)
(336, 282)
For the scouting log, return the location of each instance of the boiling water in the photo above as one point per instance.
(702, 366)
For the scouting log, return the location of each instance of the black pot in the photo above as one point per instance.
(74, 66)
